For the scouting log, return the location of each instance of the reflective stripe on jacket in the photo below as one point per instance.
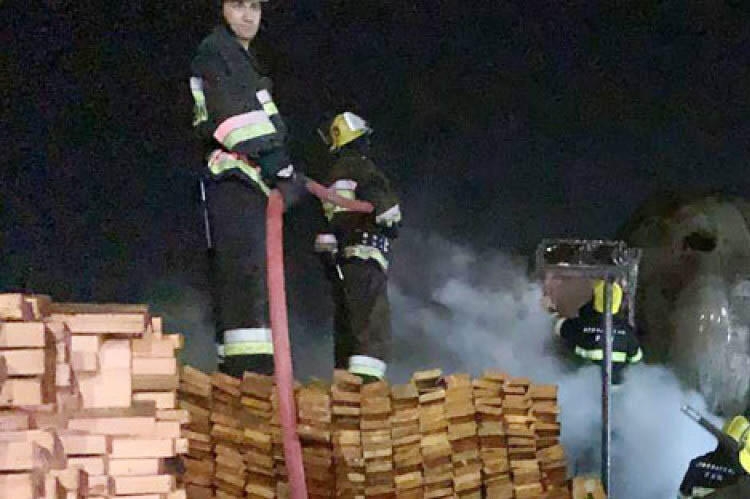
(233, 106)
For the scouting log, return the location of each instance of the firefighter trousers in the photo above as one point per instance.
(362, 320)
(237, 214)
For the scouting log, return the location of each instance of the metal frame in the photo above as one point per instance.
(609, 261)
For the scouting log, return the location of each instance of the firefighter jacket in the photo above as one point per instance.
(234, 113)
(709, 472)
(583, 336)
(363, 235)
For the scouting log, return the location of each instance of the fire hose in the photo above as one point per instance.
(280, 326)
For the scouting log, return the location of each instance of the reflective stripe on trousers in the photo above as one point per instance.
(367, 366)
(247, 341)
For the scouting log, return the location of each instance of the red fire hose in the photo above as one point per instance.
(282, 357)
(280, 326)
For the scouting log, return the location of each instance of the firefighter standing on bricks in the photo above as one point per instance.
(357, 249)
(244, 135)
(583, 334)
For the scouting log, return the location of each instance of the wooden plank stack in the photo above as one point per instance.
(550, 453)
(314, 429)
(277, 449)
(91, 420)
(462, 433)
(488, 400)
(256, 393)
(377, 442)
(28, 349)
(433, 426)
(519, 429)
(407, 439)
(228, 436)
(195, 398)
(348, 461)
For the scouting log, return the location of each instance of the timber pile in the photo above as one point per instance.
(349, 465)
(437, 436)
(377, 441)
(88, 401)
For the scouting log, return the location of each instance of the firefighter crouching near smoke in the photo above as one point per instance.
(237, 119)
(356, 250)
(720, 468)
(583, 334)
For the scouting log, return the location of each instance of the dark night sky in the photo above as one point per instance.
(501, 122)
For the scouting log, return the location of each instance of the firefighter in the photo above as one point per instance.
(720, 468)
(357, 250)
(583, 334)
(244, 136)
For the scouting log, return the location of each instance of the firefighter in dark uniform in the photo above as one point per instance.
(583, 334)
(244, 135)
(357, 248)
(721, 468)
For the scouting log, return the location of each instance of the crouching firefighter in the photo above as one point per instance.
(356, 251)
(725, 468)
(583, 334)
(244, 135)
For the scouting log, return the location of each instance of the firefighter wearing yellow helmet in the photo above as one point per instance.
(357, 251)
(721, 468)
(346, 128)
(583, 335)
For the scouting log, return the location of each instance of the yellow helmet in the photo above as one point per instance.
(739, 429)
(599, 297)
(345, 128)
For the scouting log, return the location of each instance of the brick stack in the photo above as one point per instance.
(462, 433)
(377, 443)
(407, 453)
(348, 462)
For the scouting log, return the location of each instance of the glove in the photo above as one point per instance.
(292, 186)
(272, 163)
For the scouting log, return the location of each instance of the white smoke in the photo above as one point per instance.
(466, 312)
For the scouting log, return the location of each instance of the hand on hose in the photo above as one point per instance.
(292, 186)
(278, 172)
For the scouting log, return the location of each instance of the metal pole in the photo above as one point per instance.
(607, 342)
(206, 220)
